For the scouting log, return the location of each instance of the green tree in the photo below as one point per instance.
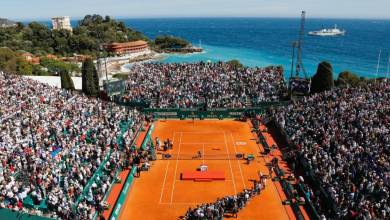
(61, 43)
(235, 64)
(92, 31)
(66, 80)
(19, 26)
(107, 19)
(170, 42)
(6, 55)
(37, 70)
(323, 79)
(11, 65)
(23, 67)
(348, 78)
(8, 60)
(56, 66)
(39, 35)
(90, 79)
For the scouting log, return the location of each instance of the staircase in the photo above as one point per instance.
(153, 102)
(62, 182)
(23, 177)
(248, 98)
(248, 102)
(202, 100)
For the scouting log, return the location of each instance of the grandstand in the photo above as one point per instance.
(190, 140)
(60, 150)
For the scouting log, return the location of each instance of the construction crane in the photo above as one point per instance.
(299, 81)
(300, 68)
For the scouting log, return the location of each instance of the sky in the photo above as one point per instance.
(22, 10)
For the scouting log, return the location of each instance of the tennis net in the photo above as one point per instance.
(195, 156)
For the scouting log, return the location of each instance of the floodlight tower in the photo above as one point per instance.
(300, 69)
(299, 82)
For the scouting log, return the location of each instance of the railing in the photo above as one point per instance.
(122, 197)
(148, 137)
(196, 113)
(309, 207)
(289, 190)
(99, 171)
(9, 214)
(147, 104)
(137, 104)
(138, 130)
(130, 178)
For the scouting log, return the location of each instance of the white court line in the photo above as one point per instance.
(216, 181)
(173, 139)
(238, 162)
(166, 172)
(181, 203)
(165, 177)
(177, 162)
(201, 143)
(200, 132)
(230, 164)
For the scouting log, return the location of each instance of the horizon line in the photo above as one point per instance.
(204, 17)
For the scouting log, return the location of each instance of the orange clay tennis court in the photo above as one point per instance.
(161, 194)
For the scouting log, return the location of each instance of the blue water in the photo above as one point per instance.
(267, 41)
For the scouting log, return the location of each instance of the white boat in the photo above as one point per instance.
(328, 32)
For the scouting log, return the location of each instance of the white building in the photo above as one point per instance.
(60, 23)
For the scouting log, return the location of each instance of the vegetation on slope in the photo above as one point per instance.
(170, 42)
(86, 38)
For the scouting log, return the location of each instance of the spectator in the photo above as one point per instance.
(52, 141)
(228, 204)
(215, 85)
(344, 138)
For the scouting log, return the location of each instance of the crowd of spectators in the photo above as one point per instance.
(343, 137)
(226, 205)
(53, 141)
(203, 84)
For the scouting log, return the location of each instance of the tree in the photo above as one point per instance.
(348, 78)
(90, 79)
(170, 42)
(23, 67)
(6, 55)
(323, 79)
(107, 18)
(66, 80)
(61, 43)
(19, 26)
(38, 70)
(92, 31)
(235, 64)
(56, 66)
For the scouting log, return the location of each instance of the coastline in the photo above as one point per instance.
(119, 65)
(356, 52)
(115, 64)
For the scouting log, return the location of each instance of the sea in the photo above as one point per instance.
(268, 41)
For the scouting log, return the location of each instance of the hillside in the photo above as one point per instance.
(87, 36)
(6, 23)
